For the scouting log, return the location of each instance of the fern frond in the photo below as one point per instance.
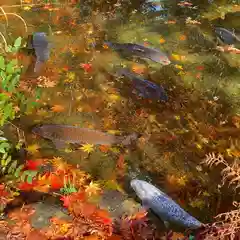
(213, 159)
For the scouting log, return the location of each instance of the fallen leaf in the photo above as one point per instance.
(87, 67)
(33, 164)
(92, 189)
(87, 148)
(179, 67)
(162, 40)
(104, 148)
(33, 148)
(182, 38)
(139, 69)
(57, 108)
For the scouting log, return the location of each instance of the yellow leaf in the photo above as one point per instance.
(32, 148)
(114, 97)
(70, 77)
(114, 150)
(113, 131)
(87, 148)
(179, 67)
(181, 73)
(176, 57)
(199, 146)
(112, 185)
(182, 181)
(92, 189)
(27, 8)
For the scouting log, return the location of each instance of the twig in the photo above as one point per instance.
(5, 15)
(16, 15)
(30, 5)
(4, 40)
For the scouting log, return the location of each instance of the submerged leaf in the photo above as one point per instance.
(87, 148)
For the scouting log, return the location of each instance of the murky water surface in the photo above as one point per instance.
(81, 88)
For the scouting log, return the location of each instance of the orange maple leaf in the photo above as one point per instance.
(104, 148)
(57, 108)
(182, 38)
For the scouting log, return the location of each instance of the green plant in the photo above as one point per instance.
(10, 98)
(10, 166)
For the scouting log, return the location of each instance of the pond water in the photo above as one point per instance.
(82, 89)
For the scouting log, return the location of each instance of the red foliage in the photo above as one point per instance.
(87, 67)
(25, 186)
(56, 182)
(33, 164)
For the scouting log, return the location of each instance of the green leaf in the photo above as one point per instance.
(23, 176)
(8, 160)
(13, 83)
(33, 173)
(18, 42)
(2, 63)
(10, 68)
(3, 147)
(2, 162)
(5, 155)
(7, 111)
(18, 171)
(13, 167)
(29, 179)
(8, 49)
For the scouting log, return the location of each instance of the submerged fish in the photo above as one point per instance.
(141, 51)
(162, 205)
(60, 135)
(145, 88)
(40, 44)
(226, 36)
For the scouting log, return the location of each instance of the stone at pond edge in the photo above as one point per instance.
(36, 235)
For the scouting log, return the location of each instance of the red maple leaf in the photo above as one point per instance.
(86, 66)
(33, 164)
(25, 186)
(56, 182)
(3, 192)
(66, 200)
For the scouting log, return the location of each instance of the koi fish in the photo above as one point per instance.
(60, 135)
(163, 206)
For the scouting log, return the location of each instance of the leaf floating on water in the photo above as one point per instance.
(87, 148)
(114, 132)
(34, 148)
(182, 37)
(162, 40)
(92, 189)
(57, 108)
(139, 69)
(178, 67)
(114, 97)
(104, 148)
